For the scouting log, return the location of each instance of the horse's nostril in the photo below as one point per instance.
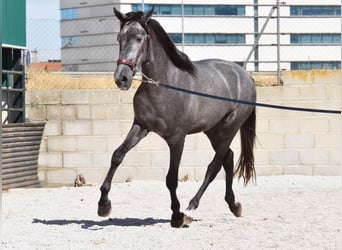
(124, 79)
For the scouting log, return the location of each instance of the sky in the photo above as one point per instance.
(42, 9)
(42, 28)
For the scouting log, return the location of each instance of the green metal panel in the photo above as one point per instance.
(14, 22)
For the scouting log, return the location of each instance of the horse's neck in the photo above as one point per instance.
(158, 64)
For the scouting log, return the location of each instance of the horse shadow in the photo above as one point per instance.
(98, 225)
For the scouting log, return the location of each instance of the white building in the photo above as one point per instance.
(309, 31)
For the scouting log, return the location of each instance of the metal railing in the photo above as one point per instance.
(13, 89)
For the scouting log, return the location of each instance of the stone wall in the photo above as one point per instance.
(84, 127)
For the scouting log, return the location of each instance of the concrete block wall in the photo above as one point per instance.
(291, 142)
(85, 126)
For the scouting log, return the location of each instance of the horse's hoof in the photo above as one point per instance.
(182, 220)
(189, 213)
(187, 219)
(104, 209)
(237, 209)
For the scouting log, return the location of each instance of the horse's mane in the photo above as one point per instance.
(178, 58)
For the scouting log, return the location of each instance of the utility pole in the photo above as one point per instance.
(256, 35)
(182, 25)
(278, 43)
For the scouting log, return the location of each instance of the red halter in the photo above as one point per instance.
(134, 63)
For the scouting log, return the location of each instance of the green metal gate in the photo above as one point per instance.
(20, 141)
(13, 16)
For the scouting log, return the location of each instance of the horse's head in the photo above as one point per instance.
(134, 42)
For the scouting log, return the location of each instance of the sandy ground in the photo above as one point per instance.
(283, 212)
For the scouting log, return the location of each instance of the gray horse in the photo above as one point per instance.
(145, 47)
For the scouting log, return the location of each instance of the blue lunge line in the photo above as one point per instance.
(327, 111)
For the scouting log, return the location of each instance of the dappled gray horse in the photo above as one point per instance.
(145, 47)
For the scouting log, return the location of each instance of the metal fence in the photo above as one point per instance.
(43, 38)
(262, 37)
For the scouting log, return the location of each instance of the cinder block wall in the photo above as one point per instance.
(291, 142)
(84, 127)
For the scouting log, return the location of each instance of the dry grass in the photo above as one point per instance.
(40, 79)
(263, 80)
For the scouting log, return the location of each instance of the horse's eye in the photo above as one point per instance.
(139, 39)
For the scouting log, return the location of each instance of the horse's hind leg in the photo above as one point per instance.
(228, 165)
(134, 136)
(219, 144)
(213, 168)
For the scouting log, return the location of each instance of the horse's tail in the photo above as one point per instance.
(245, 166)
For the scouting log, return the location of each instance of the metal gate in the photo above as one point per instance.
(20, 150)
(13, 85)
(20, 141)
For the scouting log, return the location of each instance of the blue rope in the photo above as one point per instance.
(326, 111)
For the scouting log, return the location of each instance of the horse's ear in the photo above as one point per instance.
(148, 15)
(119, 15)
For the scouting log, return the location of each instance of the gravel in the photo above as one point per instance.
(280, 212)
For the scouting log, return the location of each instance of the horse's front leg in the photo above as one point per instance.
(134, 136)
(178, 219)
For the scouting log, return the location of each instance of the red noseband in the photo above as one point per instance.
(127, 62)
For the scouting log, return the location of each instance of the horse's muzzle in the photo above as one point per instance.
(123, 77)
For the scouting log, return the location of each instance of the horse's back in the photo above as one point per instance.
(222, 79)
(228, 77)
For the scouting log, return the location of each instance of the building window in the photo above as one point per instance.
(176, 37)
(315, 65)
(193, 10)
(315, 10)
(69, 14)
(69, 41)
(197, 38)
(315, 38)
